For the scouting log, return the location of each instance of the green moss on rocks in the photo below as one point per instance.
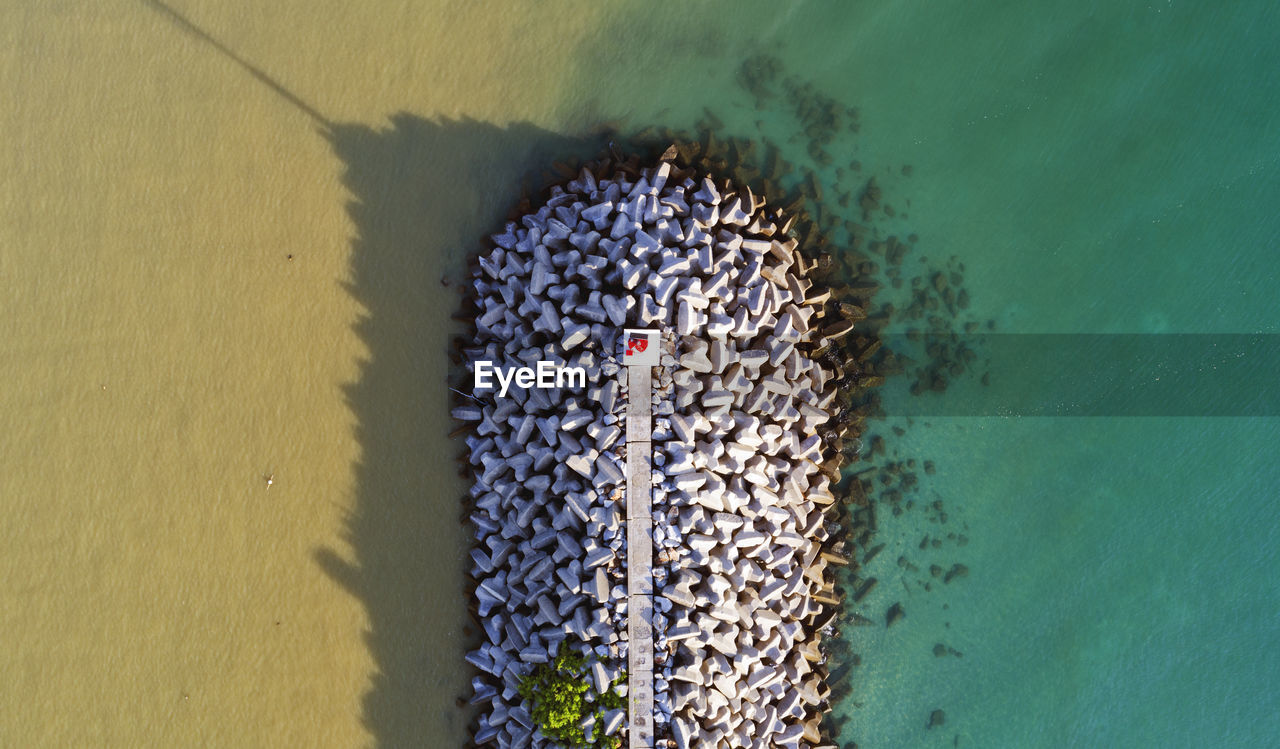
(561, 697)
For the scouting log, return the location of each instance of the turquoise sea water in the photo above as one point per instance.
(1099, 167)
(1105, 168)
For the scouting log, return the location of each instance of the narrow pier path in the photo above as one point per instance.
(640, 555)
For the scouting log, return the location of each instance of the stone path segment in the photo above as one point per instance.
(640, 555)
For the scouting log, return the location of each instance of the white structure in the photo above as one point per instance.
(641, 351)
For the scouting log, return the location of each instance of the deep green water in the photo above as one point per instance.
(1099, 167)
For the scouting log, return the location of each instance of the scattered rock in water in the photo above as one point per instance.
(894, 614)
(957, 570)
(937, 718)
(757, 75)
(870, 199)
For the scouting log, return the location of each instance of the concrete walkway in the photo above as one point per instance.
(640, 555)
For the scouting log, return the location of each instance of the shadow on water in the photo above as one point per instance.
(422, 195)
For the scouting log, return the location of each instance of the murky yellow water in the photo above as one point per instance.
(161, 355)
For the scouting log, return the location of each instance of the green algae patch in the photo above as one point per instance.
(564, 703)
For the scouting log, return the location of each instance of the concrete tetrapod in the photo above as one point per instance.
(738, 484)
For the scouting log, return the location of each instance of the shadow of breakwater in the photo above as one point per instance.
(423, 194)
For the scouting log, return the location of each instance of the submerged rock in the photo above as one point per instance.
(957, 570)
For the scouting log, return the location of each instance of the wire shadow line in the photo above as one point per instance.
(190, 27)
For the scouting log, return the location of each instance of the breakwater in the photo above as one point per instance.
(747, 421)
